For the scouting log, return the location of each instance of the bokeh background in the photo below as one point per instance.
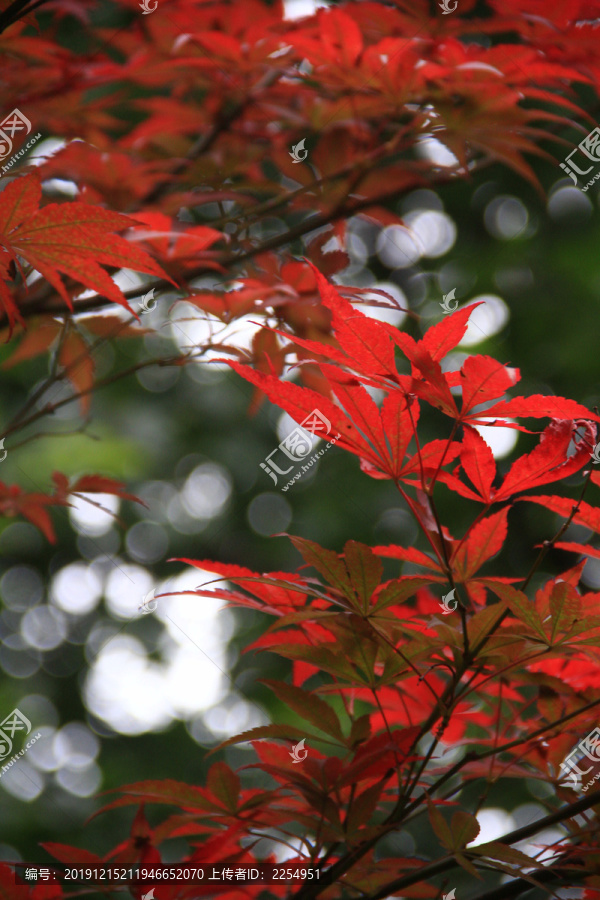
(119, 695)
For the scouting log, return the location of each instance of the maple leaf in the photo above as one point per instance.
(78, 363)
(585, 514)
(408, 554)
(428, 380)
(179, 248)
(377, 755)
(360, 85)
(366, 342)
(33, 506)
(482, 542)
(72, 238)
(90, 484)
(538, 406)
(299, 402)
(115, 178)
(548, 461)
(478, 463)
(484, 379)
(73, 353)
(41, 335)
(366, 346)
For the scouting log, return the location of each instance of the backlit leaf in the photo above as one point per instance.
(519, 604)
(72, 238)
(465, 829)
(309, 707)
(224, 784)
(483, 541)
(364, 570)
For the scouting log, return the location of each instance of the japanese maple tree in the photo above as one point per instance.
(225, 140)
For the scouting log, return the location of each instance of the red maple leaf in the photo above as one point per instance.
(73, 238)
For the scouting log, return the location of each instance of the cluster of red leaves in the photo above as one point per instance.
(381, 679)
(378, 672)
(378, 75)
(14, 501)
(362, 84)
(73, 238)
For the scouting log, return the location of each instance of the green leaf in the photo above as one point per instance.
(363, 807)
(284, 732)
(224, 784)
(565, 607)
(309, 706)
(327, 563)
(519, 605)
(399, 590)
(465, 829)
(365, 570)
(483, 622)
(324, 658)
(496, 850)
(440, 826)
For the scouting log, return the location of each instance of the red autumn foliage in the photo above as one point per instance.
(385, 678)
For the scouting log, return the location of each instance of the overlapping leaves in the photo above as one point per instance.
(74, 239)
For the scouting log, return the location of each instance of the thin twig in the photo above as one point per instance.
(18, 9)
(230, 261)
(513, 837)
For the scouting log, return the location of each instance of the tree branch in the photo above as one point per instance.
(319, 220)
(18, 9)
(520, 885)
(513, 837)
(50, 408)
(206, 140)
(346, 862)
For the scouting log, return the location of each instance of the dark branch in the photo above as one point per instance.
(16, 10)
(513, 837)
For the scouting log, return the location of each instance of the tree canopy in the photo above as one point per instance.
(368, 217)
